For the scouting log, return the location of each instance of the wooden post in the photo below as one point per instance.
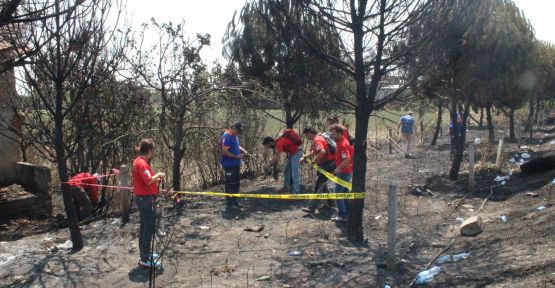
(389, 140)
(124, 182)
(391, 226)
(471, 168)
(499, 151)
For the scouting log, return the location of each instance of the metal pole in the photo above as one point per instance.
(124, 182)
(471, 181)
(392, 226)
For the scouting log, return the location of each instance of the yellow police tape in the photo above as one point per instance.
(322, 196)
(332, 177)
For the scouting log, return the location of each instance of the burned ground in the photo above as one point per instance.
(205, 250)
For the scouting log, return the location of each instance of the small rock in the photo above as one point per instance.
(203, 227)
(267, 235)
(525, 156)
(263, 278)
(532, 194)
(377, 217)
(255, 228)
(471, 226)
(65, 246)
(468, 206)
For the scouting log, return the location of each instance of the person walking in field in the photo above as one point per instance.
(231, 154)
(406, 123)
(289, 143)
(343, 169)
(145, 189)
(323, 154)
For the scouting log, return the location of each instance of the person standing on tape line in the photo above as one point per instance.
(344, 169)
(406, 123)
(84, 192)
(322, 154)
(145, 188)
(289, 143)
(231, 155)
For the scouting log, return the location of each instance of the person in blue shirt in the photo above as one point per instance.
(407, 129)
(231, 155)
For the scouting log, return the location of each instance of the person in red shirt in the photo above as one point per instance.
(333, 121)
(84, 191)
(324, 156)
(145, 189)
(344, 168)
(289, 143)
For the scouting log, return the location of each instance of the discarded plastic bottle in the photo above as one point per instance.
(427, 275)
(504, 218)
(443, 259)
(540, 208)
(386, 286)
(295, 253)
(460, 256)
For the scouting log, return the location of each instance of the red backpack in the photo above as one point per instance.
(293, 136)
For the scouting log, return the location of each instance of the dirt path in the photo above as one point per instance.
(209, 251)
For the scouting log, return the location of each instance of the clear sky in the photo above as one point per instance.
(201, 16)
(540, 14)
(212, 16)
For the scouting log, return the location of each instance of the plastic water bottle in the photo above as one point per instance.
(427, 275)
(443, 259)
(460, 256)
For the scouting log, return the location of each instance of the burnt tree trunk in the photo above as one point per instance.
(481, 124)
(489, 120)
(530, 119)
(458, 139)
(177, 152)
(289, 119)
(438, 122)
(73, 223)
(512, 135)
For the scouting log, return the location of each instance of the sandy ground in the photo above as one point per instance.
(205, 250)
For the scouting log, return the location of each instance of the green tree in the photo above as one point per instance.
(265, 48)
(372, 45)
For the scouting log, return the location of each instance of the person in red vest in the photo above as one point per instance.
(145, 189)
(335, 121)
(343, 168)
(84, 191)
(289, 143)
(323, 154)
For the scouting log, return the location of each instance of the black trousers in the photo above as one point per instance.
(232, 183)
(147, 212)
(320, 186)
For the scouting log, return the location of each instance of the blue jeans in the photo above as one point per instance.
(292, 172)
(342, 204)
